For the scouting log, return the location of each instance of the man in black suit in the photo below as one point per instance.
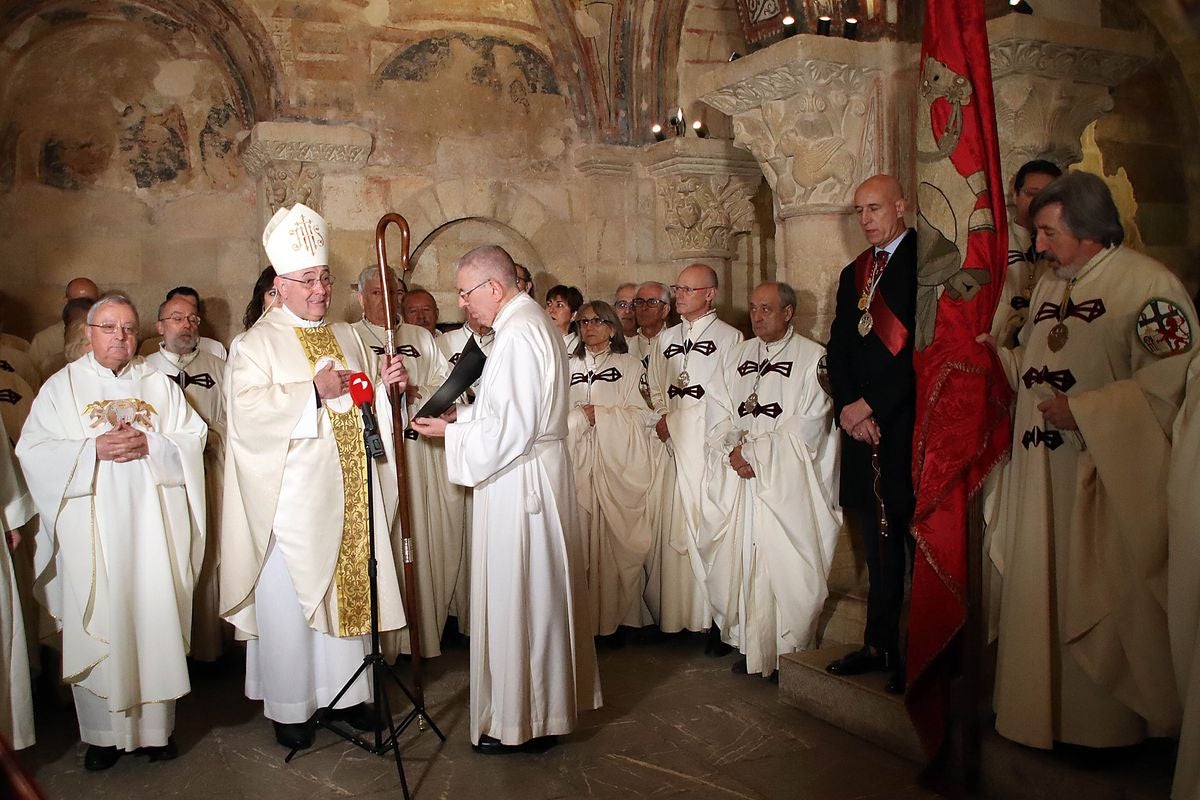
(871, 375)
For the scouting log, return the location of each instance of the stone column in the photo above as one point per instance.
(820, 115)
(705, 190)
(1052, 79)
(289, 159)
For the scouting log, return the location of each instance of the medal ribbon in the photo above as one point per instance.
(887, 326)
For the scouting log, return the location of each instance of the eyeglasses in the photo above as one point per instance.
(464, 294)
(593, 321)
(686, 291)
(311, 283)
(112, 328)
(179, 319)
(653, 302)
(625, 305)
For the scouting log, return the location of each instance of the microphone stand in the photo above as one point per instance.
(386, 735)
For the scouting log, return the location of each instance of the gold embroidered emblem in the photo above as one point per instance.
(129, 410)
(307, 236)
(350, 573)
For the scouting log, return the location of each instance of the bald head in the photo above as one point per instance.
(698, 275)
(84, 288)
(879, 205)
(695, 291)
(490, 262)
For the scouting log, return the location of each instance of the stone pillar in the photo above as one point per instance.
(1052, 79)
(705, 190)
(290, 158)
(820, 115)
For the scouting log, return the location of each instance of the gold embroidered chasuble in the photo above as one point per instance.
(295, 480)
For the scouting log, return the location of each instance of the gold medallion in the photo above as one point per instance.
(751, 402)
(863, 302)
(1058, 337)
(865, 323)
(683, 379)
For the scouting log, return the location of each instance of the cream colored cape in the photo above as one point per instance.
(46, 349)
(533, 661)
(612, 471)
(205, 392)
(435, 505)
(1081, 536)
(283, 477)
(767, 542)
(675, 589)
(119, 544)
(1183, 582)
(16, 700)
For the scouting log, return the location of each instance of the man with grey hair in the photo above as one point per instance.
(1080, 534)
(436, 508)
(771, 519)
(421, 309)
(524, 280)
(113, 455)
(533, 661)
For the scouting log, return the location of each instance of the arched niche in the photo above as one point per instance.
(435, 258)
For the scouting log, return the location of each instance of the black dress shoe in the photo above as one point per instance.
(361, 717)
(859, 662)
(294, 735)
(539, 745)
(714, 647)
(167, 752)
(491, 746)
(98, 758)
(739, 667)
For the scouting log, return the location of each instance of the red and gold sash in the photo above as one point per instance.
(887, 326)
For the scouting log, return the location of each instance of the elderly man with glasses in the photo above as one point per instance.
(294, 530)
(113, 455)
(685, 363)
(201, 375)
(533, 662)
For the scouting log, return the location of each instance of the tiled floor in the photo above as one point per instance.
(675, 724)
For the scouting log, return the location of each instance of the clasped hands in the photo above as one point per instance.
(857, 420)
(123, 443)
(739, 464)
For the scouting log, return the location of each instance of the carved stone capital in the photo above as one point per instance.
(815, 111)
(607, 160)
(1051, 80)
(339, 145)
(286, 183)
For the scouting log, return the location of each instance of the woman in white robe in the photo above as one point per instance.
(611, 456)
(563, 304)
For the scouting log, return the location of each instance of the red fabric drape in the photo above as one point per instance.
(962, 423)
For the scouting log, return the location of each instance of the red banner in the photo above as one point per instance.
(962, 424)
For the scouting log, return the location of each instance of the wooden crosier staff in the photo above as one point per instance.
(404, 506)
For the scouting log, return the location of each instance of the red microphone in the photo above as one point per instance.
(362, 394)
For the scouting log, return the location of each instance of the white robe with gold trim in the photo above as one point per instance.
(1080, 540)
(120, 544)
(612, 470)
(292, 562)
(767, 542)
(533, 662)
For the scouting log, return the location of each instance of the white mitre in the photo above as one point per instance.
(296, 239)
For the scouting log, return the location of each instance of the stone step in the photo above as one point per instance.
(843, 618)
(1009, 771)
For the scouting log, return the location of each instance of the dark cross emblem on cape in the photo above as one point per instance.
(203, 380)
(1060, 379)
(784, 368)
(9, 396)
(696, 391)
(407, 350)
(1088, 310)
(771, 410)
(610, 375)
(705, 347)
(1035, 436)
